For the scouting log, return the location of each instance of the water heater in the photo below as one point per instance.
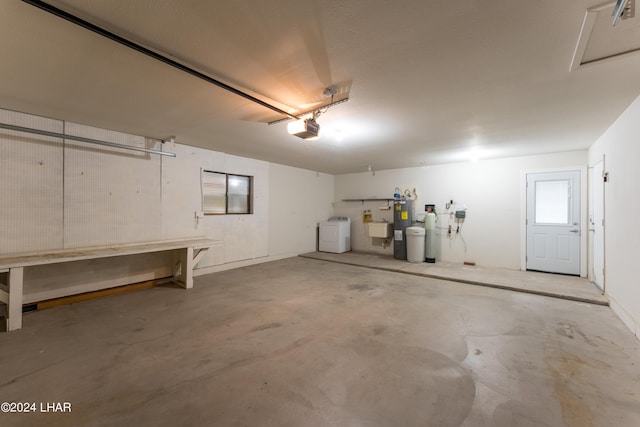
(402, 218)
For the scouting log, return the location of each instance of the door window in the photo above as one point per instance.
(552, 202)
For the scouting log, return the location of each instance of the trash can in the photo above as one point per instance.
(415, 244)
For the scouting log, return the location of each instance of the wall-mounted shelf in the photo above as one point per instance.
(371, 199)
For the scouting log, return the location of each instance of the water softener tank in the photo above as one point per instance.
(430, 237)
(402, 218)
(415, 244)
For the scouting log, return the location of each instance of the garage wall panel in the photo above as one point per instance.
(31, 190)
(247, 236)
(112, 196)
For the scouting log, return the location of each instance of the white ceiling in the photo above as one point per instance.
(428, 81)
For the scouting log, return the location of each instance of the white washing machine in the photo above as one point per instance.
(335, 235)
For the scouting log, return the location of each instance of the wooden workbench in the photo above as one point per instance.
(187, 253)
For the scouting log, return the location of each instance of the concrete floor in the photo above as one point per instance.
(303, 342)
(553, 285)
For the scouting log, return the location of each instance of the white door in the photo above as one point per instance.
(553, 222)
(596, 223)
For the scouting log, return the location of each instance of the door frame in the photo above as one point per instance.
(584, 229)
(594, 181)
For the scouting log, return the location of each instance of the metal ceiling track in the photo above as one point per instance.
(148, 52)
(311, 112)
(83, 139)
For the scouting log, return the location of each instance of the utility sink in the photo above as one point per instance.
(380, 229)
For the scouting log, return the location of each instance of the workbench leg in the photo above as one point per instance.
(14, 307)
(185, 278)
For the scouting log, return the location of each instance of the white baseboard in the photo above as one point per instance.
(631, 322)
(238, 264)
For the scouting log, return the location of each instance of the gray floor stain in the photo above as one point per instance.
(362, 287)
(266, 326)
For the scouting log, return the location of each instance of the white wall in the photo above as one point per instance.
(490, 189)
(60, 194)
(621, 150)
(31, 187)
(300, 199)
(244, 237)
